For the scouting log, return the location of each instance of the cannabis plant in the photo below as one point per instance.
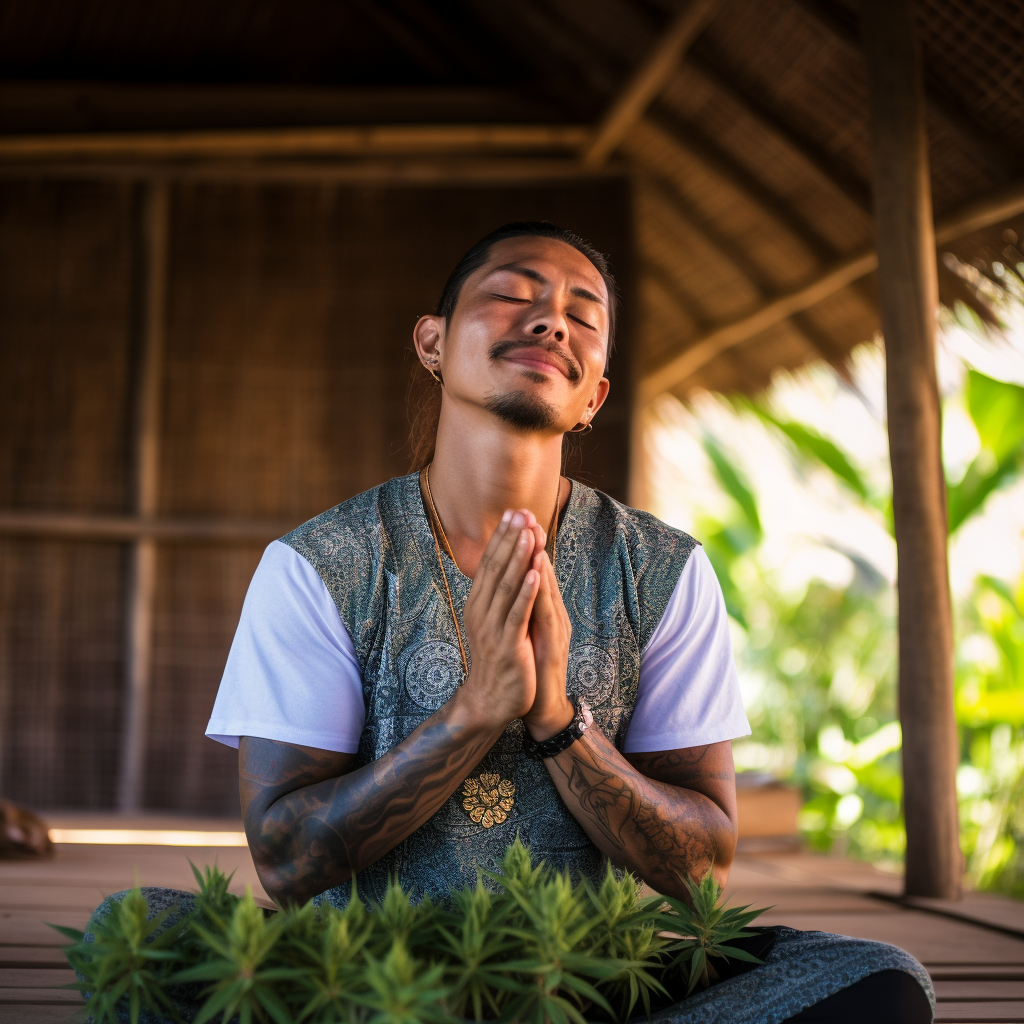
(527, 944)
(708, 929)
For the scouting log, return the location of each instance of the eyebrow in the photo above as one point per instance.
(533, 275)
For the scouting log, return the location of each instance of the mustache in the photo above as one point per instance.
(572, 369)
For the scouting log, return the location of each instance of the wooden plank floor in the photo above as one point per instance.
(974, 950)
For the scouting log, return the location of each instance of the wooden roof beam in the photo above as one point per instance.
(989, 148)
(355, 140)
(816, 339)
(974, 216)
(648, 80)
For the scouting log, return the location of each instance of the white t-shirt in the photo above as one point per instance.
(292, 673)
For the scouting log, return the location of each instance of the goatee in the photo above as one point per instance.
(522, 411)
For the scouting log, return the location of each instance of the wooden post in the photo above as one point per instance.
(908, 297)
(151, 279)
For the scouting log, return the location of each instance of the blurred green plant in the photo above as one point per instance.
(539, 950)
(822, 663)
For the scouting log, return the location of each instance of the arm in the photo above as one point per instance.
(661, 814)
(312, 822)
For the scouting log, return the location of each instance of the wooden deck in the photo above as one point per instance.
(974, 949)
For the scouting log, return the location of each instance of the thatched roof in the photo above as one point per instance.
(752, 164)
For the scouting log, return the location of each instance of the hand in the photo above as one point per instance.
(550, 633)
(502, 683)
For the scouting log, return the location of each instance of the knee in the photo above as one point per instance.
(885, 997)
(155, 901)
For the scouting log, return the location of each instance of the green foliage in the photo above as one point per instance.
(129, 961)
(997, 410)
(819, 665)
(709, 927)
(540, 949)
(809, 443)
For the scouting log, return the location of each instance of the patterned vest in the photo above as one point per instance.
(616, 567)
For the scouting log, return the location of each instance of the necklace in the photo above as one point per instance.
(487, 798)
(437, 527)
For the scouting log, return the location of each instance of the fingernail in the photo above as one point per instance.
(507, 516)
(518, 520)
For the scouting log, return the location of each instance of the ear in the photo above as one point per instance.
(596, 401)
(428, 339)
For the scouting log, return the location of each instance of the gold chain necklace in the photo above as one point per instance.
(436, 527)
(487, 798)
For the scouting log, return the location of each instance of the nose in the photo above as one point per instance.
(545, 326)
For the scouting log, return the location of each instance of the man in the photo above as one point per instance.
(486, 649)
(330, 788)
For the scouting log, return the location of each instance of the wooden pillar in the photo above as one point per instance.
(908, 297)
(151, 281)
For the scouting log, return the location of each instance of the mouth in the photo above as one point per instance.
(539, 360)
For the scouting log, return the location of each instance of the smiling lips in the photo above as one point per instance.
(540, 360)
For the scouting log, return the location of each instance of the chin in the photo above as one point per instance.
(522, 410)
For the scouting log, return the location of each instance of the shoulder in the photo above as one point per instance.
(352, 531)
(648, 541)
(646, 555)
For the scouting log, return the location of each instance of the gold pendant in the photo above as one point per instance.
(488, 798)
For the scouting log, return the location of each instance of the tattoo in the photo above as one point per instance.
(309, 832)
(677, 767)
(659, 829)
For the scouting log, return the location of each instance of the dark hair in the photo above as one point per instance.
(425, 399)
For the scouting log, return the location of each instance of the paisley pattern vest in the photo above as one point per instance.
(616, 567)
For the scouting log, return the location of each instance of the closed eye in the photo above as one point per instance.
(583, 323)
(509, 298)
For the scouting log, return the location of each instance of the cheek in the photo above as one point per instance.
(474, 331)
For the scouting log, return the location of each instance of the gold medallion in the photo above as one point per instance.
(488, 798)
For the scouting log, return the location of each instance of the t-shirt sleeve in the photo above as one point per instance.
(291, 674)
(689, 694)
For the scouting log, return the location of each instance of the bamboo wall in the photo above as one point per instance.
(283, 386)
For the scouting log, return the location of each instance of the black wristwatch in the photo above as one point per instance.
(561, 740)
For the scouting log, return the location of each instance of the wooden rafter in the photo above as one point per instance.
(428, 172)
(816, 339)
(120, 529)
(974, 216)
(351, 141)
(648, 80)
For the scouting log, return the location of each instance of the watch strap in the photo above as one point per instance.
(554, 745)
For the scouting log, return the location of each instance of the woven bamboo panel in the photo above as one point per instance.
(286, 368)
(65, 315)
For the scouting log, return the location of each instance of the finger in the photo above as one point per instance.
(508, 586)
(518, 617)
(496, 557)
(543, 607)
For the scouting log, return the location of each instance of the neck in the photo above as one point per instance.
(483, 467)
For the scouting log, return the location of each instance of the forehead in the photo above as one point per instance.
(551, 257)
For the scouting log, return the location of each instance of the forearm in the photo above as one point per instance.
(313, 837)
(657, 830)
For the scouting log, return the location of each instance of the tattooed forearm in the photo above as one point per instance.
(308, 835)
(659, 829)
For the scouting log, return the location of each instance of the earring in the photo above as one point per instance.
(433, 373)
(585, 429)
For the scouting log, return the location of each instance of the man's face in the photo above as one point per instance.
(529, 336)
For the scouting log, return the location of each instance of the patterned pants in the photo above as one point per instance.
(801, 970)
